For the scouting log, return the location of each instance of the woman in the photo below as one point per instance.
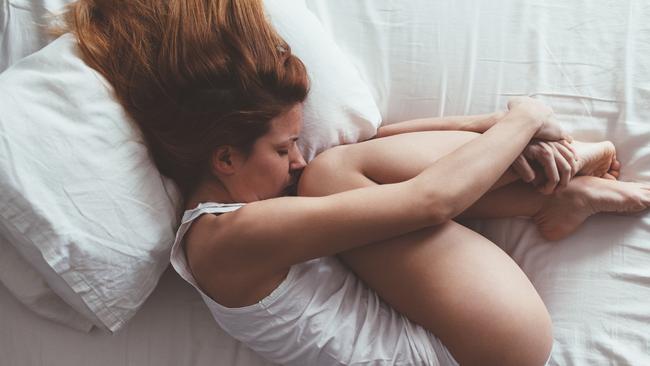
(217, 95)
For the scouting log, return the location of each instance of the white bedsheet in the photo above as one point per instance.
(590, 60)
(173, 328)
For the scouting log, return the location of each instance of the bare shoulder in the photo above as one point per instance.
(225, 277)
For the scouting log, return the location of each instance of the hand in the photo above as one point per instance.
(552, 131)
(539, 111)
(556, 160)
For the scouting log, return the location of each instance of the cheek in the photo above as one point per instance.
(275, 171)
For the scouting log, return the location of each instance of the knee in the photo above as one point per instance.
(320, 171)
(524, 339)
(530, 343)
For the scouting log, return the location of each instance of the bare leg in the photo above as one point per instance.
(447, 278)
(515, 199)
(464, 289)
(461, 287)
(454, 282)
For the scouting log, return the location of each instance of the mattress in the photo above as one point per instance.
(589, 60)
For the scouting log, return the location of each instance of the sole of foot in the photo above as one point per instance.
(584, 196)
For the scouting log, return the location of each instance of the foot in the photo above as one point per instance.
(567, 209)
(597, 159)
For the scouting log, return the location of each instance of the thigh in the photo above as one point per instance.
(449, 279)
(387, 160)
(401, 157)
(462, 288)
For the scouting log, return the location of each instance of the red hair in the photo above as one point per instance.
(192, 74)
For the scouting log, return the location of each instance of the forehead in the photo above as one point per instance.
(287, 124)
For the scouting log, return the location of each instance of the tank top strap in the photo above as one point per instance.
(177, 255)
(210, 207)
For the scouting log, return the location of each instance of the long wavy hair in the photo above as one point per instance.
(192, 74)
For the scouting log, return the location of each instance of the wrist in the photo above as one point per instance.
(499, 115)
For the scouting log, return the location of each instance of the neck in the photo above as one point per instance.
(208, 191)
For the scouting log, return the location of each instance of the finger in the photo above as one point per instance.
(569, 146)
(523, 169)
(563, 166)
(533, 152)
(547, 159)
(609, 176)
(568, 157)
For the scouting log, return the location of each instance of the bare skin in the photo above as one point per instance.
(563, 213)
(597, 159)
(399, 238)
(444, 264)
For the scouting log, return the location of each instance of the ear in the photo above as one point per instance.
(224, 160)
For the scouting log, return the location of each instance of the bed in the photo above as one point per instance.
(589, 60)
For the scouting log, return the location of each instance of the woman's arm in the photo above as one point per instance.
(272, 234)
(476, 123)
(555, 159)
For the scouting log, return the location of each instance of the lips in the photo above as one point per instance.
(292, 187)
(291, 190)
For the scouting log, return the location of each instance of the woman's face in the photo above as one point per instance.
(274, 164)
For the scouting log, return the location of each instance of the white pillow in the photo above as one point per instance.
(78, 188)
(79, 198)
(340, 108)
(23, 27)
(30, 288)
(23, 32)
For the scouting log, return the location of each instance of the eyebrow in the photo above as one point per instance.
(292, 138)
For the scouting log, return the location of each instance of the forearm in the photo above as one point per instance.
(460, 178)
(475, 123)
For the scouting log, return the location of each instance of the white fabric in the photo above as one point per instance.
(423, 58)
(22, 32)
(30, 288)
(590, 60)
(340, 108)
(78, 188)
(321, 314)
(173, 328)
(23, 26)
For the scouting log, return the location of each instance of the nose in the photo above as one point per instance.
(297, 160)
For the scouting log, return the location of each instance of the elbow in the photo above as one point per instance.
(433, 202)
(439, 209)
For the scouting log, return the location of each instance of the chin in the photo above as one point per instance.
(291, 190)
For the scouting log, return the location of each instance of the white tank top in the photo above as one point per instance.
(321, 314)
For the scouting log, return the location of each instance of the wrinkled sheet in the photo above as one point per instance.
(173, 328)
(589, 60)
